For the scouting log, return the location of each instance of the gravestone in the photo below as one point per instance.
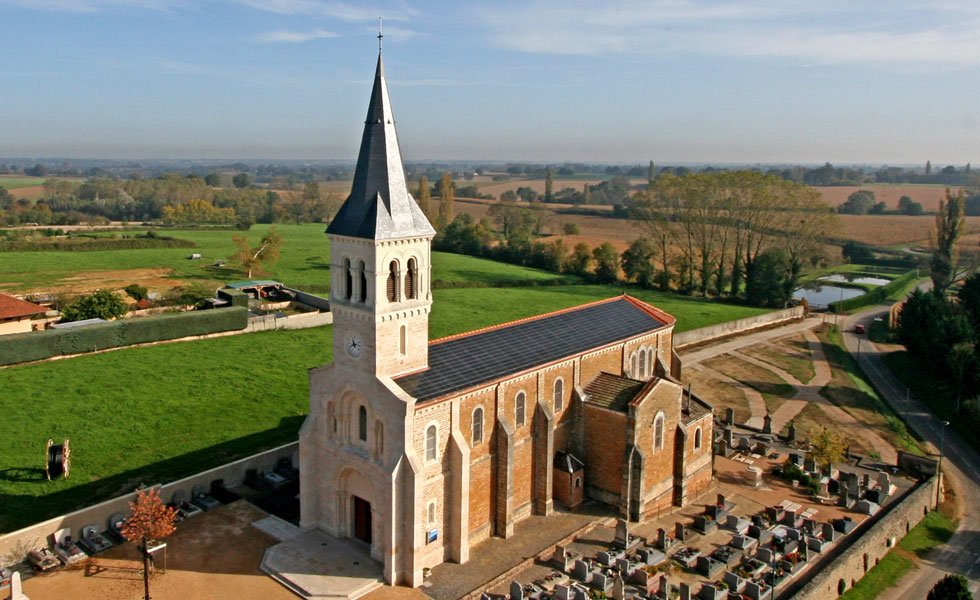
(581, 571)
(810, 526)
(679, 533)
(796, 459)
(764, 554)
(793, 534)
(622, 538)
(618, 591)
(791, 432)
(625, 567)
(704, 524)
(16, 588)
(885, 483)
(829, 533)
(563, 592)
(758, 521)
(810, 464)
(729, 438)
(601, 581)
(755, 475)
(516, 590)
(733, 581)
(662, 541)
(824, 490)
(767, 423)
(663, 588)
(866, 481)
(685, 591)
(744, 444)
(729, 416)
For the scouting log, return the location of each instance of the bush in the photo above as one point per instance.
(570, 229)
(39, 345)
(101, 304)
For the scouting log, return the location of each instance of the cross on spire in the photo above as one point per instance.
(380, 34)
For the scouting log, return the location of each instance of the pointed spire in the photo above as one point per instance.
(379, 206)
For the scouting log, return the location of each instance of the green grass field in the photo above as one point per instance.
(154, 414)
(13, 183)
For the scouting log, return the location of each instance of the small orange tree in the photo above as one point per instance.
(149, 519)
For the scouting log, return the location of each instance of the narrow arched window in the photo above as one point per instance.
(392, 281)
(379, 438)
(559, 394)
(402, 339)
(650, 357)
(431, 513)
(697, 438)
(643, 364)
(410, 280)
(363, 274)
(519, 409)
(431, 435)
(658, 432)
(634, 366)
(348, 280)
(477, 425)
(362, 424)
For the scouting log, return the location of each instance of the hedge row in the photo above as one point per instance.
(893, 291)
(88, 244)
(25, 347)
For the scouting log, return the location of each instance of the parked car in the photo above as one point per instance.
(859, 328)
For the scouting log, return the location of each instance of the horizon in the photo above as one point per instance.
(678, 82)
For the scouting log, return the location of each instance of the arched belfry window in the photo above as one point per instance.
(658, 431)
(411, 280)
(392, 281)
(520, 408)
(348, 290)
(697, 438)
(362, 424)
(363, 275)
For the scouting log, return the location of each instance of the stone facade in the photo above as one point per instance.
(421, 479)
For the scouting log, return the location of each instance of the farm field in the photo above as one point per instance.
(926, 194)
(15, 182)
(123, 433)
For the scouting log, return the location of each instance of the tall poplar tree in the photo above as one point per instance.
(425, 197)
(549, 185)
(447, 193)
(949, 226)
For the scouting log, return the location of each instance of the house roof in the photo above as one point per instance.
(613, 391)
(567, 462)
(462, 362)
(379, 206)
(12, 308)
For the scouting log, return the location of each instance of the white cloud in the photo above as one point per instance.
(293, 37)
(327, 9)
(938, 34)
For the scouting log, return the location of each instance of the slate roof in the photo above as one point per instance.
(379, 206)
(462, 362)
(613, 391)
(567, 463)
(13, 308)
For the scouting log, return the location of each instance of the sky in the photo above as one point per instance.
(674, 81)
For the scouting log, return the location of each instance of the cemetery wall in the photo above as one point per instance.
(704, 334)
(860, 551)
(14, 546)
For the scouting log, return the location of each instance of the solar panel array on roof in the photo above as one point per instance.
(464, 362)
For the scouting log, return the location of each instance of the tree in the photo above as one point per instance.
(637, 262)
(766, 284)
(570, 229)
(149, 520)
(580, 260)
(136, 291)
(249, 259)
(425, 197)
(858, 203)
(651, 174)
(37, 170)
(549, 185)
(102, 304)
(447, 193)
(950, 223)
(828, 447)
(909, 207)
(950, 587)
(508, 196)
(241, 180)
(606, 263)
(928, 168)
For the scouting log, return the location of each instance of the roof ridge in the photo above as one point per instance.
(553, 313)
(666, 318)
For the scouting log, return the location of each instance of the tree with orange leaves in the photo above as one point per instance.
(149, 519)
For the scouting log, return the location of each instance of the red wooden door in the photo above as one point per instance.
(362, 519)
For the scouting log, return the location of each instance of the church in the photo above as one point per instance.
(422, 449)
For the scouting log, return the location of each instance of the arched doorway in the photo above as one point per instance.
(356, 513)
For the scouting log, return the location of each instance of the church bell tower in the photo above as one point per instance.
(380, 256)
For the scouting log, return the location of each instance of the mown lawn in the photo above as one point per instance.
(934, 530)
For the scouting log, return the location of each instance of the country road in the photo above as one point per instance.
(961, 466)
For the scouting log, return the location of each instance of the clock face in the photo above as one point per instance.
(354, 346)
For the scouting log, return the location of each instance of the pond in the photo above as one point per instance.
(856, 279)
(819, 296)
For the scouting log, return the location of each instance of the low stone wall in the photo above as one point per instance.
(861, 550)
(704, 334)
(310, 300)
(14, 546)
(301, 321)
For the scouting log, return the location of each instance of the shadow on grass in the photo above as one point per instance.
(21, 510)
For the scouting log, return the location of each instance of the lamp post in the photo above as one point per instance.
(939, 465)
